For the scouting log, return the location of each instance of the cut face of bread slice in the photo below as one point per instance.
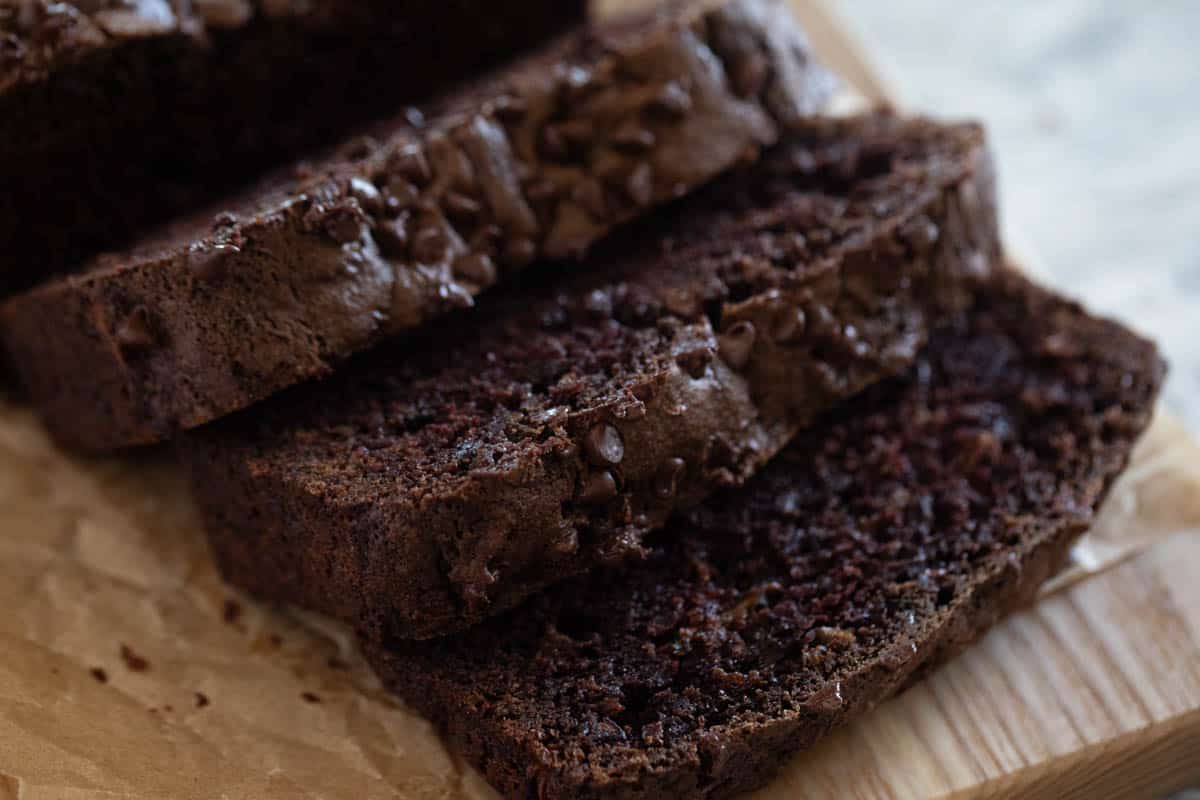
(877, 545)
(401, 227)
(445, 478)
(116, 115)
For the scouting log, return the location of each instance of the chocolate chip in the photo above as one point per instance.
(367, 195)
(399, 194)
(552, 145)
(822, 323)
(589, 194)
(598, 489)
(666, 480)
(921, 234)
(790, 325)
(231, 611)
(201, 699)
(99, 674)
(309, 697)
(450, 163)
(429, 243)
(577, 81)
(599, 304)
(695, 362)
(135, 332)
(478, 268)
(455, 296)
(520, 252)
(344, 224)
(736, 344)
(633, 137)
(672, 100)
(750, 75)
(640, 184)
(211, 264)
(409, 162)
(603, 445)
(510, 109)
(392, 237)
(460, 207)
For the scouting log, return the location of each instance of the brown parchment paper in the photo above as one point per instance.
(130, 671)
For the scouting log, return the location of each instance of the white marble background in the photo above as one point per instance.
(1094, 109)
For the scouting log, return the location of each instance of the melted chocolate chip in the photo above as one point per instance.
(510, 109)
(603, 445)
(922, 235)
(790, 325)
(552, 145)
(392, 237)
(598, 489)
(409, 162)
(672, 100)
(633, 137)
(461, 207)
(366, 194)
(429, 243)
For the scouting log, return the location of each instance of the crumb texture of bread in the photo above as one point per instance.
(445, 477)
(409, 221)
(880, 543)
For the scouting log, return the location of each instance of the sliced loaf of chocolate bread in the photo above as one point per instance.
(877, 545)
(444, 478)
(540, 159)
(118, 114)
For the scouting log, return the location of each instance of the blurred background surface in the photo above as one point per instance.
(1094, 110)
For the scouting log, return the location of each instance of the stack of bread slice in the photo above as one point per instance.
(644, 420)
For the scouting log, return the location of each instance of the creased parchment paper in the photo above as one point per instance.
(130, 671)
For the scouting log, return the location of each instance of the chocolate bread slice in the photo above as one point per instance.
(116, 114)
(877, 545)
(540, 159)
(443, 479)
